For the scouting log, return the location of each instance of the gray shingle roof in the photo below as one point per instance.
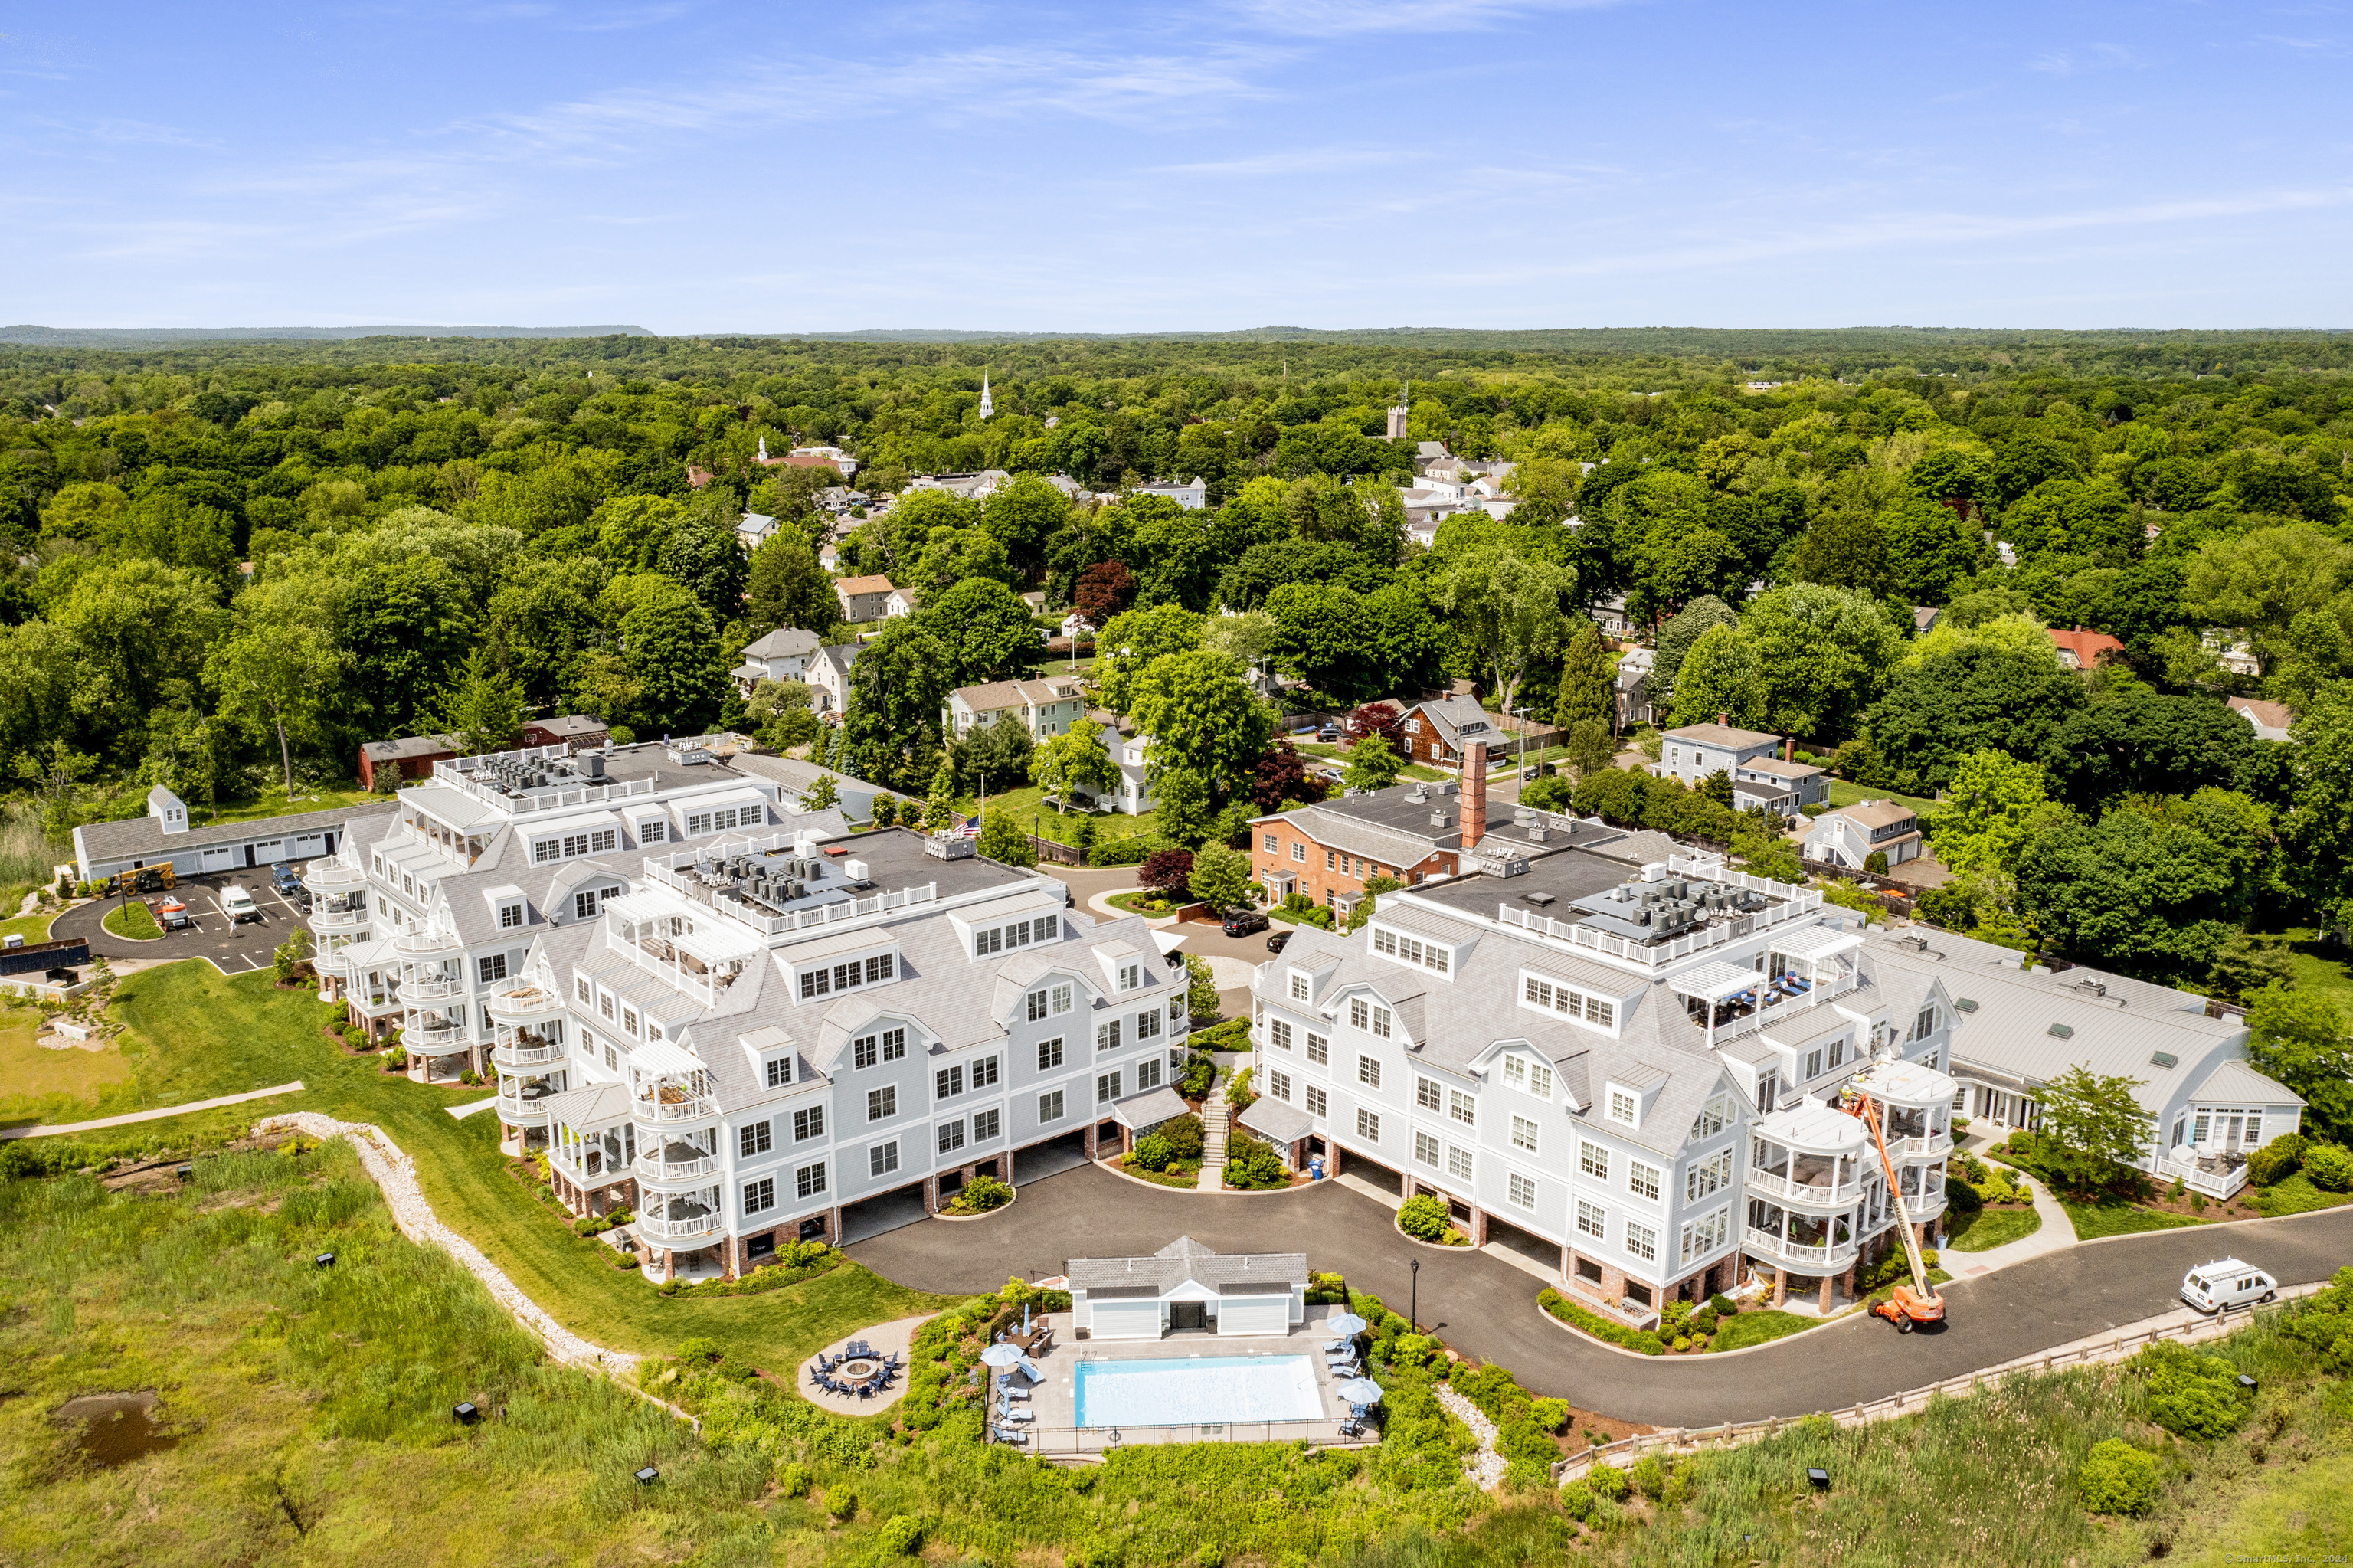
(140, 836)
(1185, 1260)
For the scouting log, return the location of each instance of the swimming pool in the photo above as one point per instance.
(1207, 1389)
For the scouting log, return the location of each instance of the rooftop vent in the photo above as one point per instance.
(2164, 1059)
(1539, 899)
(2097, 988)
(1438, 818)
(2060, 1032)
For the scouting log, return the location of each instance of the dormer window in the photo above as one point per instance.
(1526, 1073)
(777, 1070)
(1621, 1107)
(1019, 934)
(1412, 950)
(1130, 976)
(1298, 986)
(826, 978)
(509, 917)
(1370, 1017)
(1567, 1001)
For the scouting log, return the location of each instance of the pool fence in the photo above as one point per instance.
(1050, 1441)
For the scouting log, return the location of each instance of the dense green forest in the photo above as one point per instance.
(234, 561)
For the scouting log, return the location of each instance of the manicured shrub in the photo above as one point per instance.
(1152, 1152)
(1600, 1327)
(2329, 1168)
(793, 1480)
(1252, 1165)
(1725, 1305)
(1963, 1197)
(1184, 1135)
(1703, 1320)
(841, 1502)
(2116, 1478)
(1424, 1217)
(2276, 1160)
(903, 1533)
(1551, 1414)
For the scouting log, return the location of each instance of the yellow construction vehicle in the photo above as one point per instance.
(1917, 1302)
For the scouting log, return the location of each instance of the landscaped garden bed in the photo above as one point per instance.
(1987, 1206)
(1426, 1219)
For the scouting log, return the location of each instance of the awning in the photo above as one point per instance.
(1715, 981)
(1276, 1122)
(600, 1105)
(1150, 1108)
(1812, 944)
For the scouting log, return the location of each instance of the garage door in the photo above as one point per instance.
(1254, 1314)
(1125, 1320)
(217, 859)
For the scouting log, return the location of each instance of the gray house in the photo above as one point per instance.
(1692, 753)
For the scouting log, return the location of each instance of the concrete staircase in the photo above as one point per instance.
(1214, 1120)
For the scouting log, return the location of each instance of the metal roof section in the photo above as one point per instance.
(2236, 1083)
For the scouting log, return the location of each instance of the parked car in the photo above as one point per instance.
(2220, 1285)
(238, 906)
(172, 915)
(282, 876)
(1279, 941)
(1329, 734)
(1242, 922)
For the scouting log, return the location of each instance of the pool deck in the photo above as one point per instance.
(1055, 1431)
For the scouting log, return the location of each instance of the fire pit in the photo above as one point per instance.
(858, 1369)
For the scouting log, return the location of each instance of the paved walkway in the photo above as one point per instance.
(157, 1115)
(1486, 1308)
(2055, 1234)
(460, 1113)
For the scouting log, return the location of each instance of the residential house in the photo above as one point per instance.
(970, 486)
(2271, 721)
(1192, 495)
(1076, 626)
(862, 598)
(898, 601)
(1925, 618)
(2081, 650)
(2234, 650)
(1439, 730)
(403, 758)
(784, 654)
(823, 457)
(1043, 707)
(580, 732)
(1132, 796)
(755, 530)
(829, 671)
(1851, 836)
(1695, 751)
(1633, 681)
(1776, 785)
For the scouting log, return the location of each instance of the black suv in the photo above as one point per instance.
(1242, 922)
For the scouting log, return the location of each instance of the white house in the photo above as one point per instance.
(1192, 495)
(829, 671)
(755, 531)
(1851, 836)
(1186, 1287)
(2269, 721)
(897, 602)
(1044, 708)
(784, 654)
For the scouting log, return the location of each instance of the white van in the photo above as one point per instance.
(238, 906)
(2221, 1285)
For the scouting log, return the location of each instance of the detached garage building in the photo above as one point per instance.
(163, 837)
(1185, 1286)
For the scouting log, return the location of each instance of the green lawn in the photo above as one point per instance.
(32, 927)
(2115, 1216)
(1845, 794)
(1757, 1329)
(1317, 748)
(1028, 807)
(133, 922)
(1991, 1228)
(274, 803)
(39, 1084)
(2320, 967)
(2295, 1195)
(194, 1034)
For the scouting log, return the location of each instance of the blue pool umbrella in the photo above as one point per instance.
(1360, 1390)
(1345, 1323)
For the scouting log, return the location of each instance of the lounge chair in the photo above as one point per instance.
(1341, 1344)
(1003, 1436)
(1018, 1395)
(1017, 1415)
(1351, 1429)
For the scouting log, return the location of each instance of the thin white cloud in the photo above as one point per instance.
(2099, 57)
(1300, 161)
(1326, 18)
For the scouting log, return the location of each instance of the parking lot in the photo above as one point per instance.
(232, 949)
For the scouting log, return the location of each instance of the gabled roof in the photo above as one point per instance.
(1873, 813)
(2085, 647)
(863, 584)
(2237, 1081)
(784, 642)
(1187, 1261)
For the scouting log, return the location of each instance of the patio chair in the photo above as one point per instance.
(1017, 1415)
(1018, 1395)
(1002, 1435)
(1351, 1429)
(1339, 1345)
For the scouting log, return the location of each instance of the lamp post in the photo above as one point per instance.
(1413, 1305)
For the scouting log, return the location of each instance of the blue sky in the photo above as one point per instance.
(700, 167)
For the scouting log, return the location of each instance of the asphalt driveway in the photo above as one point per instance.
(1486, 1308)
(234, 951)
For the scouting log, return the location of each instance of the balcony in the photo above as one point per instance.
(523, 1004)
(1928, 1146)
(669, 1167)
(336, 914)
(433, 1035)
(521, 1052)
(415, 943)
(677, 1222)
(523, 1103)
(325, 876)
(2218, 1176)
(1826, 1258)
(376, 1003)
(672, 1108)
(1788, 1189)
(432, 985)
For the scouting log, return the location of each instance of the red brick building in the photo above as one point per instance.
(1327, 853)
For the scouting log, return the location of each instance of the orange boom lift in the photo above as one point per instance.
(1919, 1301)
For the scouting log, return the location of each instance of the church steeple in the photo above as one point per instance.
(986, 408)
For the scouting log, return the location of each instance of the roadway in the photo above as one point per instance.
(1486, 1308)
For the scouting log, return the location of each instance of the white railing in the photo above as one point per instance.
(432, 986)
(461, 771)
(670, 1113)
(1074, 1440)
(334, 876)
(413, 942)
(434, 1039)
(2221, 1185)
(523, 1001)
(1782, 1189)
(1801, 1255)
(524, 1058)
(2117, 1347)
(1926, 1146)
(522, 1110)
(686, 1228)
(324, 918)
(657, 1170)
(833, 912)
(1828, 991)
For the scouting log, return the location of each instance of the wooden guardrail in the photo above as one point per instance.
(2094, 1351)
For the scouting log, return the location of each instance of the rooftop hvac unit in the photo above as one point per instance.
(857, 870)
(591, 763)
(948, 846)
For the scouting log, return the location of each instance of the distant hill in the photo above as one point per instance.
(144, 337)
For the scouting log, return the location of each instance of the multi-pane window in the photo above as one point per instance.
(951, 1135)
(1592, 1219)
(779, 1071)
(1426, 1149)
(1298, 986)
(825, 980)
(1461, 1108)
(1702, 1237)
(509, 917)
(1147, 1025)
(1148, 1074)
(653, 831)
(1299, 852)
(629, 1021)
(1368, 1071)
(947, 1083)
(1360, 1013)
(753, 1137)
(809, 1124)
(1926, 1024)
(760, 1196)
(1711, 1117)
(1408, 950)
(809, 1180)
(493, 968)
(1036, 1005)
(1524, 1134)
(1705, 1176)
(1643, 1242)
(1621, 1107)
(1427, 1094)
(1522, 1190)
(1641, 1180)
(1269, 843)
(1107, 1035)
(1278, 1086)
(1130, 976)
(1049, 1106)
(1838, 1051)
(983, 1073)
(1049, 1054)
(1314, 1100)
(1535, 1077)
(865, 1050)
(882, 1159)
(1813, 1063)
(1594, 1161)
(1368, 1126)
(1563, 1002)
(1277, 1031)
(894, 1044)
(985, 1125)
(1458, 1162)
(1319, 1049)
(882, 1103)
(580, 988)
(584, 905)
(1106, 1087)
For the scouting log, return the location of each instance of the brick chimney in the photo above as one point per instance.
(1723, 719)
(1474, 792)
